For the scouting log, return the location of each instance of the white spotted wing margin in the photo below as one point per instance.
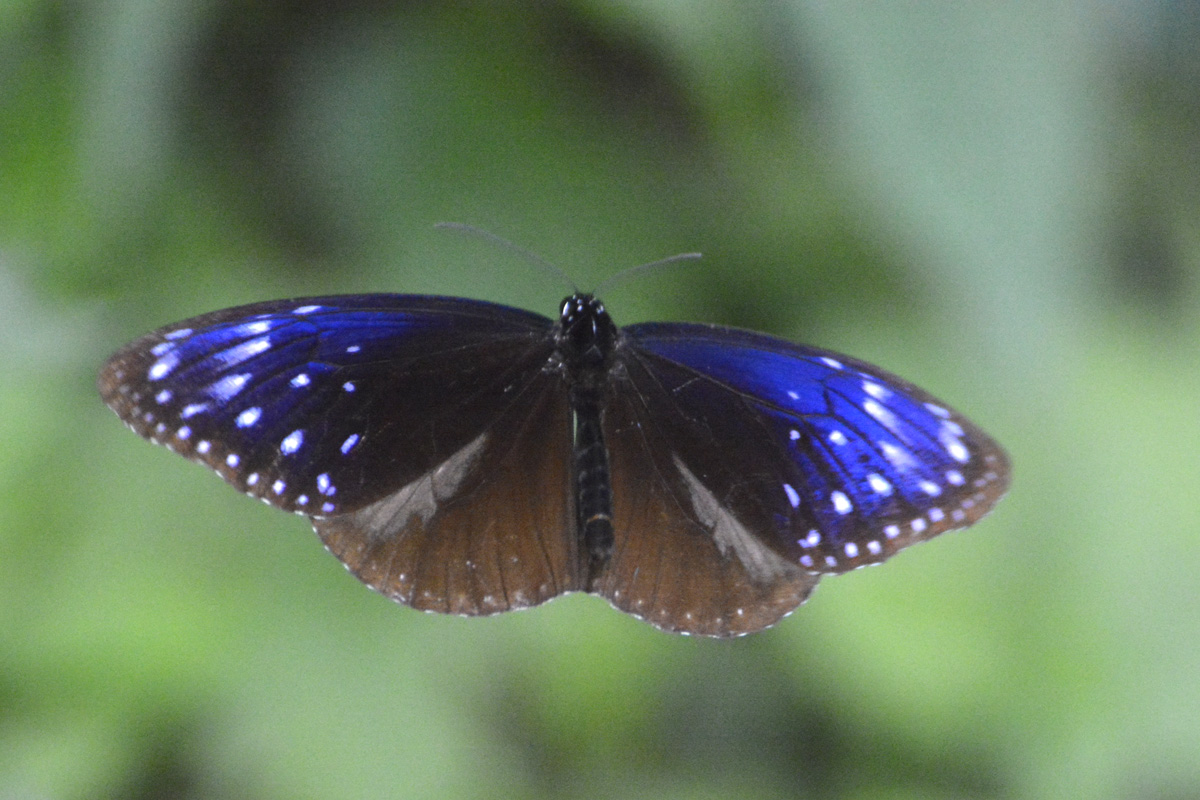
(323, 405)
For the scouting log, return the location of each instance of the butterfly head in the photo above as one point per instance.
(587, 334)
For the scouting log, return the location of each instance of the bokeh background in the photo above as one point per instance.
(1000, 202)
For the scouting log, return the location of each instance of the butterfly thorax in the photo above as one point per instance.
(586, 338)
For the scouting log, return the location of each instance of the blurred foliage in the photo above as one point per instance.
(999, 202)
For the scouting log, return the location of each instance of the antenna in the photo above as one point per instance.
(626, 274)
(608, 283)
(471, 230)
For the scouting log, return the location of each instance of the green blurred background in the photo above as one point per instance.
(997, 201)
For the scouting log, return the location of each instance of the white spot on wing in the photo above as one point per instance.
(239, 353)
(349, 444)
(248, 417)
(879, 484)
(178, 334)
(885, 417)
(952, 427)
(254, 328)
(898, 457)
(792, 495)
(841, 503)
(227, 387)
(875, 390)
(937, 410)
(955, 448)
(162, 368)
(192, 409)
(292, 442)
(300, 380)
(306, 309)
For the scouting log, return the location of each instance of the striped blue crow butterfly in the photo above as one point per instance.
(470, 458)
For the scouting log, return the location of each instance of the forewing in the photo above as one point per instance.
(324, 405)
(826, 460)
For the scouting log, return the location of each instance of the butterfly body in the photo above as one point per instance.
(465, 457)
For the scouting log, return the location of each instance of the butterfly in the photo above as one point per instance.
(464, 457)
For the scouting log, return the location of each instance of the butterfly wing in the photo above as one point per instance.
(405, 426)
(680, 560)
(789, 452)
(488, 529)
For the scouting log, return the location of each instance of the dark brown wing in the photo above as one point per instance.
(490, 528)
(680, 560)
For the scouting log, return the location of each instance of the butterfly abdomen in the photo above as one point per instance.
(593, 481)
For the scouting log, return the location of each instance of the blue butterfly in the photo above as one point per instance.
(469, 458)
